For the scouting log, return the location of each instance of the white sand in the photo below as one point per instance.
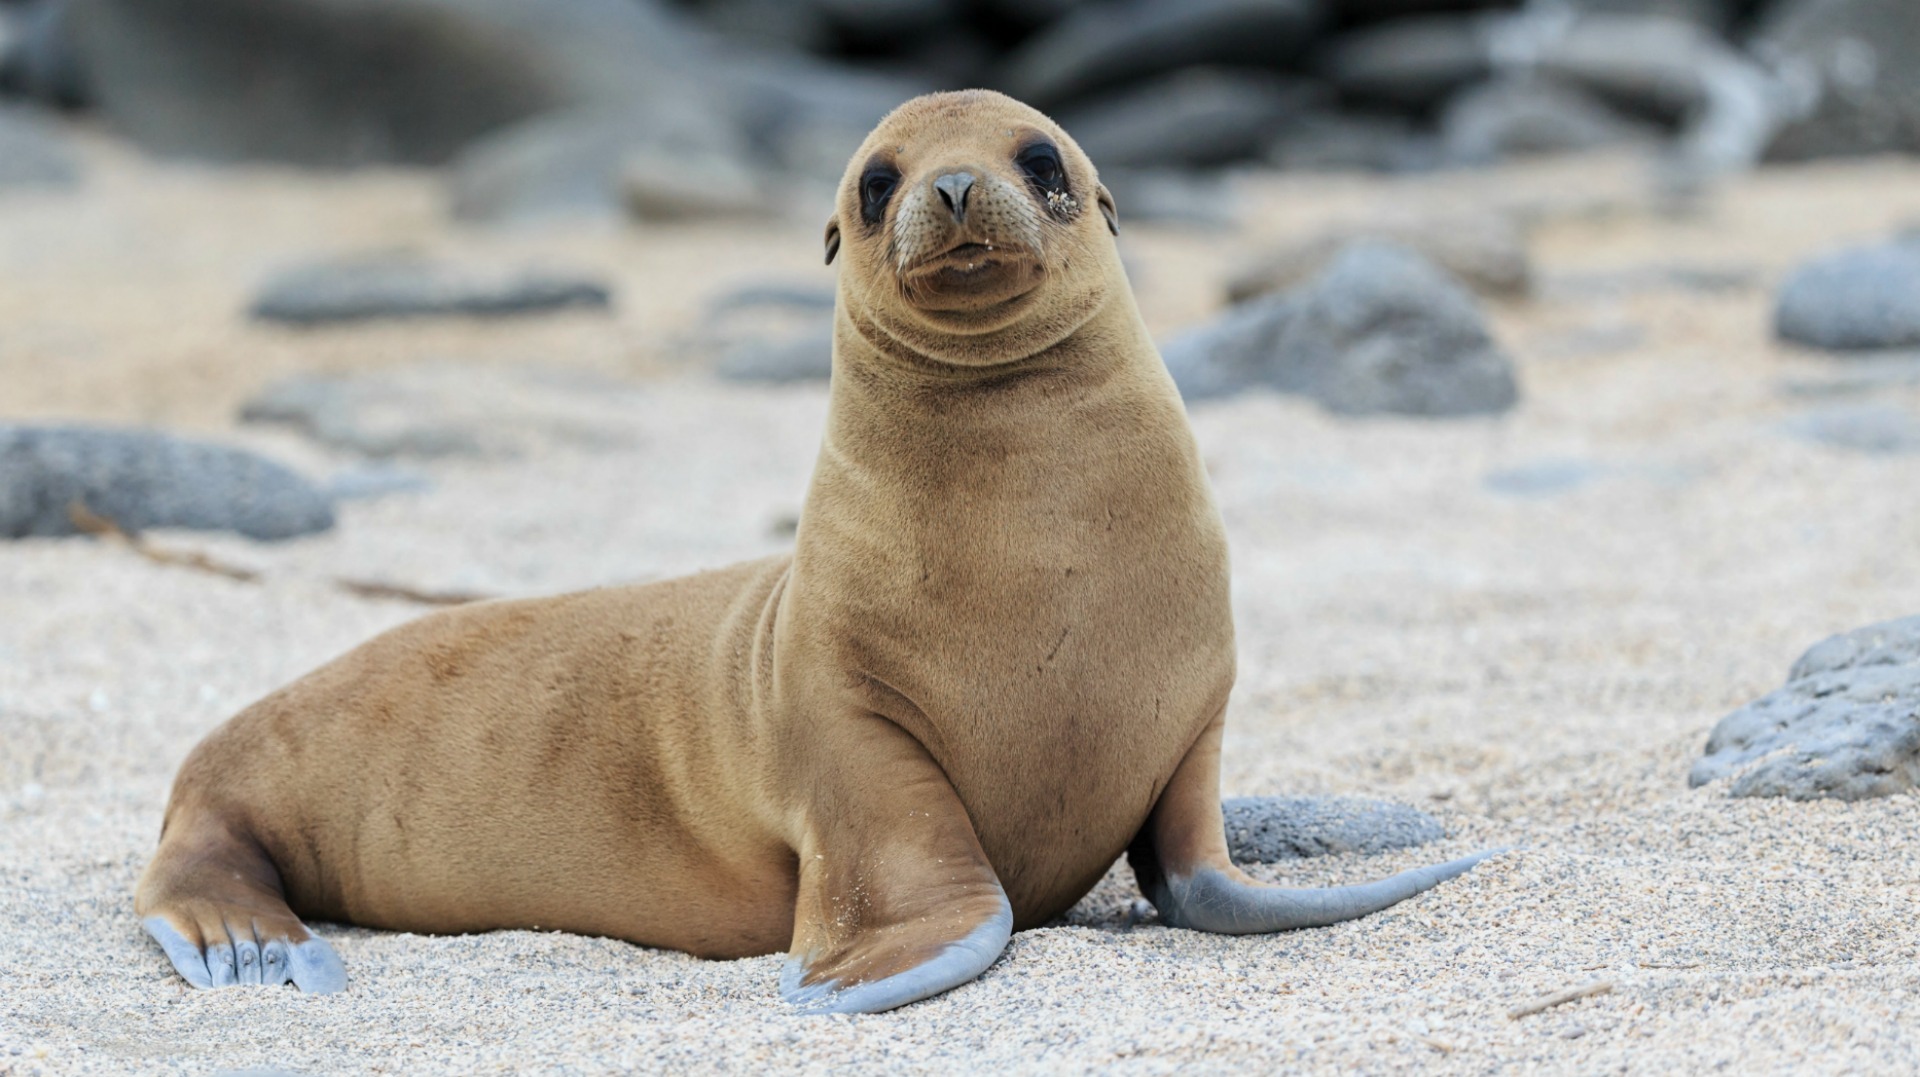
(1537, 671)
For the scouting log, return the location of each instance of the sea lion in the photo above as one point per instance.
(997, 659)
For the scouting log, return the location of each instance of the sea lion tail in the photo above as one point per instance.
(1213, 900)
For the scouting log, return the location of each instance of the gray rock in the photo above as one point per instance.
(1614, 284)
(397, 287)
(1197, 198)
(1104, 45)
(802, 356)
(1859, 377)
(449, 408)
(1543, 478)
(32, 151)
(1488, 251)
(370, 481)
(573, 164)
(1380, 331)
(142, 479)
(1726, 106)
(1855, 66)
(1877, 429)
(771, 332)
(1197, 116)
(773, 294)
(353, 82)
(1262, 830)
(365, 416)
(1846, 725)
(659, 184)
(1714, 14)
(1526, 116)
(1855, 299)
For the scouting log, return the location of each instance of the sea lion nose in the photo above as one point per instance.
(953, 188)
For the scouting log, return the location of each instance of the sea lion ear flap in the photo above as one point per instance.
(833, 238)
(1104, 198)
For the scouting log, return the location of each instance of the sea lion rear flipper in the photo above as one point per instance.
(897, 901)
(213, 902)
(1180, 860)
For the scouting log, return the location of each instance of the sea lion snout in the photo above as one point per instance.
(954, 188)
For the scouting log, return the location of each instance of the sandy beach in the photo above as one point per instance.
(1525, 626)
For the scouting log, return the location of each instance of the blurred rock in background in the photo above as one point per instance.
(553, 109)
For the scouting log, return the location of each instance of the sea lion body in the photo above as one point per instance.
(997, 659)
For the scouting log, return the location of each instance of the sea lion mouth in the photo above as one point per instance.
(971, 256)
(971, 276)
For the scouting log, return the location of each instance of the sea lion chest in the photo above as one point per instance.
(1042, 604)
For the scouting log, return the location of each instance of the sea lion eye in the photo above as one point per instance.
(1041, 163)
(876, 186)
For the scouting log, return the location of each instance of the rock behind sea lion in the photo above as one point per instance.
(141, 479)
(1846, 724)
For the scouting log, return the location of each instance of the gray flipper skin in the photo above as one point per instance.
(1210, 900)
(959, 962)
(311, 965)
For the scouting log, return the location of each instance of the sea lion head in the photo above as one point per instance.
(973, 230)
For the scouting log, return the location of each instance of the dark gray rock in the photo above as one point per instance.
(1855, 65)
(1380, 331)
(781, 24)
(1262, 830)
(33, 152)
(37, 58)
(1104, 45)
(1526, 116)
(1846, 725)
(884, 24)
(1855, 299)
(1323, 140)
(1410, 63)
(392, 287)
(804, 117)
(142, 479)
(347, 82)
(1487, 251)
(1198, 116)
(1878, 429)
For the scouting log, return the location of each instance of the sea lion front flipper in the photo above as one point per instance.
(897, 901)
(1180, 860)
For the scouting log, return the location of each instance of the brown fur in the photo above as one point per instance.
(1004, 625)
